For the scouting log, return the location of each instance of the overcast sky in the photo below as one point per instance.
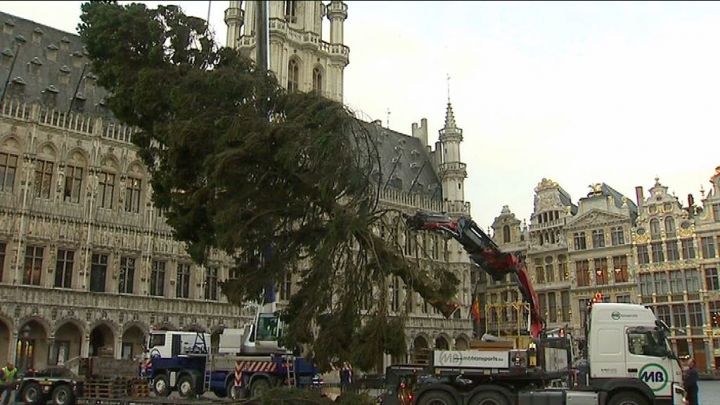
(580, 93)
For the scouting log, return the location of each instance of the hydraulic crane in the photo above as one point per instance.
(485, 254)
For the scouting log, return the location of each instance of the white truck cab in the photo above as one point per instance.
(628, 347)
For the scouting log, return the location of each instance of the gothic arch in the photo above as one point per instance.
(110, 161)
(72, 320)
(442, 342)
(135, 168)
(6, 337)
(35, 318)
(110, 324)
(12, 143)
(48, 150)
(294, 73)
(78, 156)
(102, 338)
(68, 339)
(8, 321)
(318, 78)
(462, 342)
(138, 324)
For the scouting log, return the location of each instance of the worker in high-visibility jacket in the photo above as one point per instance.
(9, 373)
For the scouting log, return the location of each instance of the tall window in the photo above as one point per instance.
(708, 247)
(695, 314)
(582, 270)
(43, 178)
(598, 236)
(182, 286)
(33, 265)
(98, 272)
(663, 313)
(317, 80)
(132, 195)
(3, 245)
(582, 309)
(506, 234)
(642, 254)
(716, 212)
(657, 252)
(712, 283)
(549, 273)
(661, 283)
(8, 168)
(601, 273)
(622, 299)
(106, 189)
(672, 250)
(293, 75)
(562, 268)
(157, 278)
(552, 307)
(64, 268)
(579, 238)
(286, 287)
(395, 294)
(211, 283)
(127, 275)
(677, 283)
(620, 269)
(646, 285)
(670, 227)
(291, 11)
(692, 281)
(679, 316)
(539, 274)
(565, 306)
(617, 235)
(688, 248)
(714, 313)
(73, 183)
(654, 228)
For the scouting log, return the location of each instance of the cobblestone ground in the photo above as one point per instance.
(709, 393)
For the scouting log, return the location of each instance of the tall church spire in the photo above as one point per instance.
(452, 170)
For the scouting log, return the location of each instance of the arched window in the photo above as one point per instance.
(293, 75)
(317, 80)
(506, 234)
(655, 228)
(291, 11)
(670, 227)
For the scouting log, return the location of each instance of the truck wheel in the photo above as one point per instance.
(233, 392)
(186, 386)
(627, 398)
(259, 386)
(63, 395)
(32, 394)
(436, 398)
(489, 398)
(160, 385)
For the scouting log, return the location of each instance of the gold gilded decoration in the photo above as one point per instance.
(641, 238)
(545, 184)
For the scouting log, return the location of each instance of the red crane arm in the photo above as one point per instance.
(485, 254)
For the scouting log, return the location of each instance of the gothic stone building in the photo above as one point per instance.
(88, 266)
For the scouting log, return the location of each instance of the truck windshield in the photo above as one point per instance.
(267, 327)
(647, 342)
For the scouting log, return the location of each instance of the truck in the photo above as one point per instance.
(628, 356)
(247, 362)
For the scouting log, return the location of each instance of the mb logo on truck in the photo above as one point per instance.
(655, 376)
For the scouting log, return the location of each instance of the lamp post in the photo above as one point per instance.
(24, 348)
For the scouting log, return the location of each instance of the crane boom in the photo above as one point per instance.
(485, 254)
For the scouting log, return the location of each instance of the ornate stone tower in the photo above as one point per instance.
(299, 57)
(452, 171)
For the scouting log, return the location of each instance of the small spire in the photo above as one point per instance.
(450, 117)
(448, 87)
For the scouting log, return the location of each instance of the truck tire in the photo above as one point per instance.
(63, 395)
(233, 392)
(161, 385)
(627, 398)
(436, 398)
(31, 394)
(259, 386)
(186, 386)
(489, 398)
